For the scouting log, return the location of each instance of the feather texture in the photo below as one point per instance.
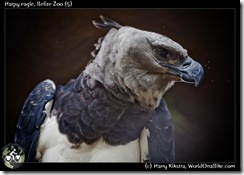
(32, 116)
(106, 24)
(88, 112)
(160, 139)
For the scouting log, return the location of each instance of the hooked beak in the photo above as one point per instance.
(189, 71)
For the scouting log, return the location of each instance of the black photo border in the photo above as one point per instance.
(135, 167)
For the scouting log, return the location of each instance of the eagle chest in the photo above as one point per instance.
(55, 147)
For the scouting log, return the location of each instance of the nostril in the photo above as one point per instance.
(186, 64)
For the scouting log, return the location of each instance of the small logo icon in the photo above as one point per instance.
(13, 156)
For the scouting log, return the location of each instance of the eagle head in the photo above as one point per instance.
(143, 64)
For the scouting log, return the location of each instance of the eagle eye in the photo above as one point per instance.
(163, 52)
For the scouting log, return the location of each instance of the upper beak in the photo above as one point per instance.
(189, 71)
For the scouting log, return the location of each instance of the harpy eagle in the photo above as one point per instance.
(114, 110)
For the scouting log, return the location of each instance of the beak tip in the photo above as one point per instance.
(196, 84)
(199, 77)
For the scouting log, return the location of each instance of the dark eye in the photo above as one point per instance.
(162, 52)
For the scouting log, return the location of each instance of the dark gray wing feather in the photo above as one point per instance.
(161, 140)
(32, 116)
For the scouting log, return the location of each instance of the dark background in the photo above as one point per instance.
(56, 44)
